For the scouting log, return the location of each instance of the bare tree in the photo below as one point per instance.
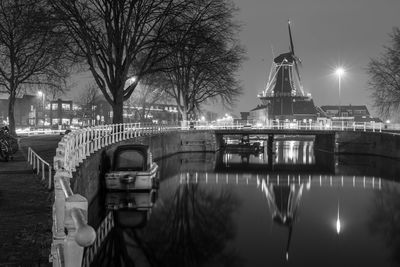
(88, 101)
(384, 75)
(204, 64)
(119, 40)
(147, 94)
(31, 49)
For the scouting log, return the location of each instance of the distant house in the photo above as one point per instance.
(259, 114)
(358, 113)
(244, 115)
(25, 112)
(61, 112)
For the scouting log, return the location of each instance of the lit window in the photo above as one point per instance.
(65, 106)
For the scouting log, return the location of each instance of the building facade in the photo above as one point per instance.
(357, 113)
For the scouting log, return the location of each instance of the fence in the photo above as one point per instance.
(40, 165)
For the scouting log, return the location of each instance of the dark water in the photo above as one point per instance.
(296, 207)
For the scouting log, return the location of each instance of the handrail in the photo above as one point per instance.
(36, 162)
(101, 233)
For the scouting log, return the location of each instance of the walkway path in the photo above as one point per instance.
(25, 207)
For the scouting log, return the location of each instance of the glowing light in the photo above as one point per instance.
(387, 121)
(338, 224)
(130, 81)
(39, 93)
(340, 71)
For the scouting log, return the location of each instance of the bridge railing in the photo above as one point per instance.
(297, 125)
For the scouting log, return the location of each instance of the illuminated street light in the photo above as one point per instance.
(338, 224)
(130, 81)
(340, 72)
(41, 94)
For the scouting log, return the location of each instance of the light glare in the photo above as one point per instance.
(340, 71)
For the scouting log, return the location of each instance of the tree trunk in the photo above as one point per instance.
(11, 119)
(118, 108)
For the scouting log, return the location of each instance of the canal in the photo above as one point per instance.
(292, 207)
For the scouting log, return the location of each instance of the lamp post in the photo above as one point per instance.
(339, 72)
(41, 94)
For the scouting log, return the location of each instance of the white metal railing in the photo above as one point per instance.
(297, 125)
(38, 132)
(72, 150)
(40, 165)
(77, 145)
(101, 233)
(71, 215)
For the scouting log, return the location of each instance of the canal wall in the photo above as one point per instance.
(86, 180)
(88, 176)
(368, 143)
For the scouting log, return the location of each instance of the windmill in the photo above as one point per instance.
(284, 95)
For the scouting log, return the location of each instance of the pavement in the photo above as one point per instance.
(26, 207)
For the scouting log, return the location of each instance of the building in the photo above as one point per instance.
(60, 112)
(259, 114)
(358, 113)
(25, 109)
(155, 112)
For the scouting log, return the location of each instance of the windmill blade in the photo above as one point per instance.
(297, 70)
(298, 77)
(291, 40)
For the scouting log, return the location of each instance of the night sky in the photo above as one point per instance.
(325, 34)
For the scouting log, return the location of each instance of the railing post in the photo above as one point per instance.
(37, 165)
(33, 162)
(59, 205)
(50, 176)
(43, 171)
(29, 156)
(79, 233)
(113, 133)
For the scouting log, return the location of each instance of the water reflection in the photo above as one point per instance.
(192, 227)
(385, 218)
(229, 209)
(121, 243)
(283, 202)
(285, 156)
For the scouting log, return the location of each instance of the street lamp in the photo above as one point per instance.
(340, 72)
(41, 94)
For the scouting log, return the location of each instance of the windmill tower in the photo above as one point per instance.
(284, 96)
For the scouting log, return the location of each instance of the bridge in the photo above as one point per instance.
(70, 230)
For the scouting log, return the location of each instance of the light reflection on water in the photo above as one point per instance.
(304, 209)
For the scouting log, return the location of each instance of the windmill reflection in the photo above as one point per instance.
(283, 202)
